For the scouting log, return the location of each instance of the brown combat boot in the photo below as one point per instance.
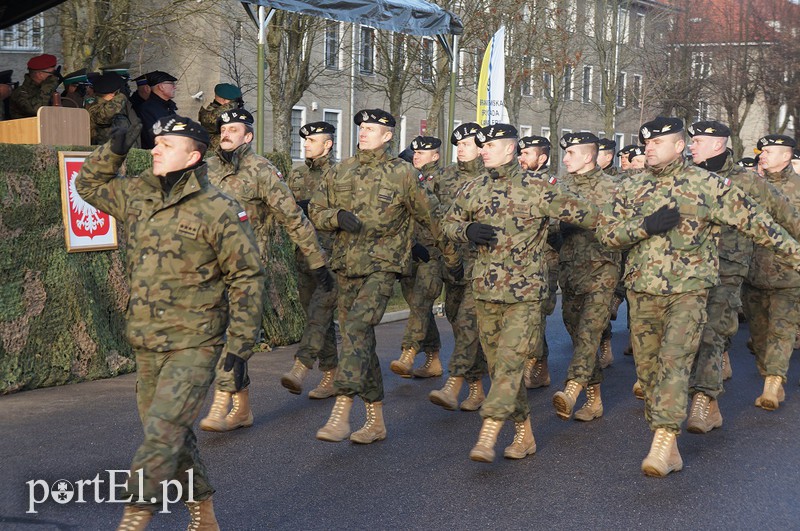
(773, 393)
(524, 444)
(539, 374)
(325, 387)
(593, 408)
(374, 428)
(606, 357)
(616, 301)
(241, 416)
(338, 426)
(293, 380)
(403, 365)
(664, 456)
(447, 396)
(484, 449)
(564, 401)
(135, 518)
(202, 513)
(527, 371)
(638, 390)
(704, 414)
(215, 421)
(432, 366)
(476, 396)
(727, 370)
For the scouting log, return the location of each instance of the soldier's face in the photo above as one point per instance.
(704, 147)
(373, 136)
(624, 163)
(529, 159)
(637, 163)
(662, 150)
(231, 136)
(166, 89)
(467, 150)
(317, 145)
(173, 153)
(604, 158)
(38, 76)
(579, 159)
(774, 159)
(495, 153)
(425, 156)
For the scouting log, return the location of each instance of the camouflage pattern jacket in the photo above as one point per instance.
(304, 181)
(684, 258)
(429, 177)
(452, 179)
(192, 263)
(768, 270)
(385, 193)
(207, 116)
(102, 113)
(518, 204)
(28, 97)
(257, 185)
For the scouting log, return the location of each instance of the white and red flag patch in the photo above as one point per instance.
(242, 216)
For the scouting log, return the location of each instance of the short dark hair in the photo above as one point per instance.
(199, 146)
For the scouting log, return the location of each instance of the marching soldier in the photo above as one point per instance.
(253, 181)
(319, 337)
(226, 97)
(605, 156)
(37, 89)
(195, 278)
(505, 213)
(668, 217)
(110, 108)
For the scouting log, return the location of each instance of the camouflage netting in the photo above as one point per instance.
(62, 314)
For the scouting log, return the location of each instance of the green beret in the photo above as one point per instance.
(228, 91)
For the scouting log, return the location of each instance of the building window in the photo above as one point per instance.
(454, 154)
(525, 130)
(586, 96)
(702, 111)
(567, 82)
(547, 80)
(589, 18)
(334, 117)
(332, 45)
(608, 24)
(639, 31)
(527, 72)
(621, 79)
(623, 26)
(298, 119)
(367, 63)
(428, 57)
(546, 132)
(572, 14)
(23, 37)
(701, 65)
(636, 91)
(551, 14)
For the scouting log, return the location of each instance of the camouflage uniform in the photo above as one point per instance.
(194, 278)
(207, 116)
(257, 185)
(509, 279)
(468, 359)
(28, 97)
(102, 113)
(384, 193)
(589, 272)
(668, 275)
(319, 337)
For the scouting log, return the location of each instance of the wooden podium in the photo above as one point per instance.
(53, 126)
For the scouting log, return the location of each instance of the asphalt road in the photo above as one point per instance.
(276, 475)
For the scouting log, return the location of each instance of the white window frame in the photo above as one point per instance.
(403, 132)
(624, 26)
(424, 60)
(569, 95)
(361, 50)
(572, 15)
(339, 32)
(296, 133)
(623, 88)
(640, 37)
(525, 130)
(637, 91)
(528, 84)
(27, 36)
(589, 18)
(337, 136)
(546, 132)
(591, 84)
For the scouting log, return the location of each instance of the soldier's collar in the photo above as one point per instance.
(782, 175)
(373, 155)
(715, 163)
(471, 166)
(669, 168)
(319, 162)
(509, 169)
(430, 168)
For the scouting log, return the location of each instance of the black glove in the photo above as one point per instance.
(568, 229)
(239, 367)
(348, 221)
(662, 220)
(555, 240)
(457, 272)
(121, 143)
(324, 278)
(420, 253)
(304, 205)
(481, 234)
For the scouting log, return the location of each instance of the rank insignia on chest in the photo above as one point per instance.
(551, 180)
(242, 216)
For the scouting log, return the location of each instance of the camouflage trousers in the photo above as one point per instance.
(540, 350)
(362, 301)
(223, 380)
(774, 315)
(170, 390)
(587, 318)
(508, 331)
(723, 323)
(319, 336)
(665, 334)
(467, 360)
(420, 291)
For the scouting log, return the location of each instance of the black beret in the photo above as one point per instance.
(316, 128)
(663, 125)
(776, 140)
(635, 152)
(625, 150)
(181, 126)
(374, 116)
(533, 141)
(5, 77)
(576, 139)
(157, 76)
(107, 83)
(233, 116)
(495, 132)
(709, 128)
(796, 154)
(747, 162)
(606, 144)
(425, 143)
(463, 131)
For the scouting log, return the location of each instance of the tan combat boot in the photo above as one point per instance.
(374, 428)
(432, 366)
(527, 371)
(524, 444)
(727, 371)
(638, 390)
(539, 375)
(704, 414)
(215, 421)
(202, 513)
(606, 357)
(616, 302)
(593, 408)
(134, 518)
(325, 387)
(447, 396)
(293, 380)
(484, 448)
(403, 365)
(664, 456)
(338, 426)
(564, 401)
(241, 416)
(773, 393)
(476, 396)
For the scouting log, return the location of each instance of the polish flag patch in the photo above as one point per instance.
(726, 181)
(551, 180)
(242, 216)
